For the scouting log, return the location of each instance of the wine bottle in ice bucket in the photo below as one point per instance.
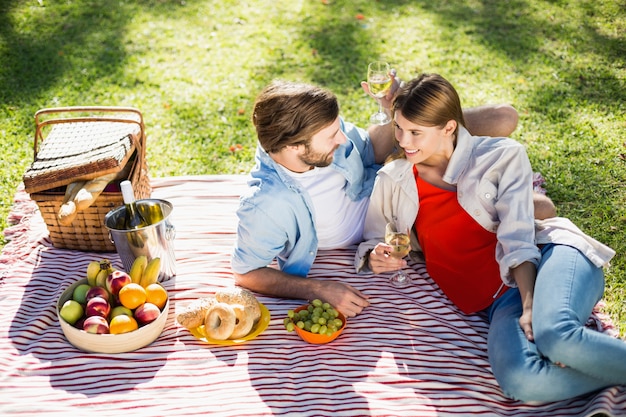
(132, 216)
(151, 211)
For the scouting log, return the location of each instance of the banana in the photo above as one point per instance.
(105, 269)
(101, 278)
(151, 273)
(92, 271)
(138, 268)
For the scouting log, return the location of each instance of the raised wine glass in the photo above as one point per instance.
(399, 240)
(379, 82)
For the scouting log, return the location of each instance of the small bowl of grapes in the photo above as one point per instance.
(317, 322)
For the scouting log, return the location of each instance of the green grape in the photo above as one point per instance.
(318, 317)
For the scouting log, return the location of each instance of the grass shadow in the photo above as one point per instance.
(34, 64)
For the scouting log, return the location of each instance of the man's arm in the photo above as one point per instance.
(275, 283)
(499, 120)
(383, 141)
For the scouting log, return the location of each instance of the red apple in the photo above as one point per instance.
(96, 324)
(116, 280)
(147, 313)
(96, 292)
(97, 306)
(80, 323)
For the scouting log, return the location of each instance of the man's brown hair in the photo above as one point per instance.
(289, 114)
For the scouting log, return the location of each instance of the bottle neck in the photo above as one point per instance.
(127, 192)
(133, 219)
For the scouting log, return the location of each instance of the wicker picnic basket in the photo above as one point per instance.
(79, 144)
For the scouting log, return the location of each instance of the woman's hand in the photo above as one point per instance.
(380, 261)
(524, 275)
(526, 323)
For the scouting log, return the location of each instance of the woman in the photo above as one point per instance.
(470, 202)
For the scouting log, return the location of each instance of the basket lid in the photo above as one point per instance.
(81, 150)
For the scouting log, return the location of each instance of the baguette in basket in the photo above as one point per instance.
(79, 195)
(67, 211)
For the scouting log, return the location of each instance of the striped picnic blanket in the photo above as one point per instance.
(411, 353)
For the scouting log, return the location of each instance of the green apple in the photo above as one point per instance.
(119, 310)
(80, 293)
(71, 311)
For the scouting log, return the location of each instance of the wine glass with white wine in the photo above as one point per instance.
(379, 82)
(400, 243)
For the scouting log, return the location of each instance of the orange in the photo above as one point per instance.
(132, 295)
(122, 324)
(156, 294)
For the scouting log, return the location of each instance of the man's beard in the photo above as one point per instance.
(317, 159)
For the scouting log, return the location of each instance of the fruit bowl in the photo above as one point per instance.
(110, 343)
(317, 338)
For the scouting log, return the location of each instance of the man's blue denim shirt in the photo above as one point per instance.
(276, 219)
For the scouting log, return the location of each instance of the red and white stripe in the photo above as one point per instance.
(411, 353)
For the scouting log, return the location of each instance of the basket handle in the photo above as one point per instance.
(40, 123)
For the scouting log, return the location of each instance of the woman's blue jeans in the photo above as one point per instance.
(568, 286)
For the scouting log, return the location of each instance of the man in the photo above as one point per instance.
(310, 189)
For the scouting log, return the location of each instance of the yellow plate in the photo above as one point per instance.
(258, 328)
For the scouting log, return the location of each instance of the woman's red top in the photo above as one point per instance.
(460, 254)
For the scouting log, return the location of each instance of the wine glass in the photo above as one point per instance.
(379, 82)
(401, 245)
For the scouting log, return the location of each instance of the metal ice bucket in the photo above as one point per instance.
(154, 240)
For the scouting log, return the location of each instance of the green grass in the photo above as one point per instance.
(194, 68)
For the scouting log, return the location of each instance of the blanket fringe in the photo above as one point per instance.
(26, 231)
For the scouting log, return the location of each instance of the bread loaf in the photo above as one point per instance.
(67, 211)
(90, 191)
(195, 313)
